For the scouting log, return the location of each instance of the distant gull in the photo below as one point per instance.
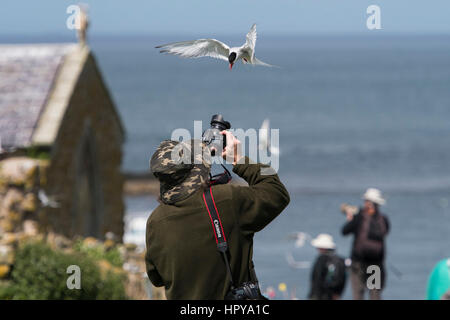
(46, 200)
(216, 49)
(300, 238)
(264, 141)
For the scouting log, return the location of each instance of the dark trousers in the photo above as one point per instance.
(358, 279)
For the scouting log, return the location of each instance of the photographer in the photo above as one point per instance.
(369, 227)
(182, 254)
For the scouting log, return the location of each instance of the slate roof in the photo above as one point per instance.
(27, 73)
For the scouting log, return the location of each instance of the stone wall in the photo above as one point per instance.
(22, 214)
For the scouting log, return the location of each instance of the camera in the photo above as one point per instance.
(349, 209)
(248, 291)
(212, 137)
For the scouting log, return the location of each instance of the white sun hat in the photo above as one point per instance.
(323, 241)
(374, 195)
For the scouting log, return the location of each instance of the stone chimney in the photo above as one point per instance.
(83, 20)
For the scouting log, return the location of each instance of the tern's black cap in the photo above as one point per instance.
(232, 57)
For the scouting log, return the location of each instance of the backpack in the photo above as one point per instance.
(335, 274)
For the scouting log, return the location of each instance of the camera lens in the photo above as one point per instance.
(212, 136)
(218, 122)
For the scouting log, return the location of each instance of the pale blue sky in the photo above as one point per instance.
(205, 17)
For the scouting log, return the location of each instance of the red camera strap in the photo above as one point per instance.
(216, 223)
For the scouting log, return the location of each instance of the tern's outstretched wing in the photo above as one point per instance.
(251, 39)
(249, 48)
(197, 48)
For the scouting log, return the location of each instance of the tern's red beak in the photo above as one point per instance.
(231, 66)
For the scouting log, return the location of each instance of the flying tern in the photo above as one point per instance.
(216, 49)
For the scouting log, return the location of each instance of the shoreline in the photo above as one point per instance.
(138, 184)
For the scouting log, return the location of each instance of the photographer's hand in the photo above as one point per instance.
(233, 149)
(349, 216)
(349, 211)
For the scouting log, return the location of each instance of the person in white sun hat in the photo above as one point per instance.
(328, 274)
(323, 241)
(370, 228)
(374, 195)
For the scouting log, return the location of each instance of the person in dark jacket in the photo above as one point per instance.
(328, 275)
(369, 228)
(181, 252)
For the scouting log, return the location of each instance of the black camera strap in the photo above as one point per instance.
(216, 223)
(221, 178)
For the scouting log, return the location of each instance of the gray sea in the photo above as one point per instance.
(353, 112)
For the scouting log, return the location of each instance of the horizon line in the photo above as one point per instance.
(99, 36)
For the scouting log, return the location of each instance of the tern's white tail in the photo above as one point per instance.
(258, 62)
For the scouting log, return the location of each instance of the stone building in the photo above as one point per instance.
(61, 143)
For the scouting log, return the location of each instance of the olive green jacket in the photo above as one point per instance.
(181, 252)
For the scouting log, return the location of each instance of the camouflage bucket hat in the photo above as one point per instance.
(181, 168)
